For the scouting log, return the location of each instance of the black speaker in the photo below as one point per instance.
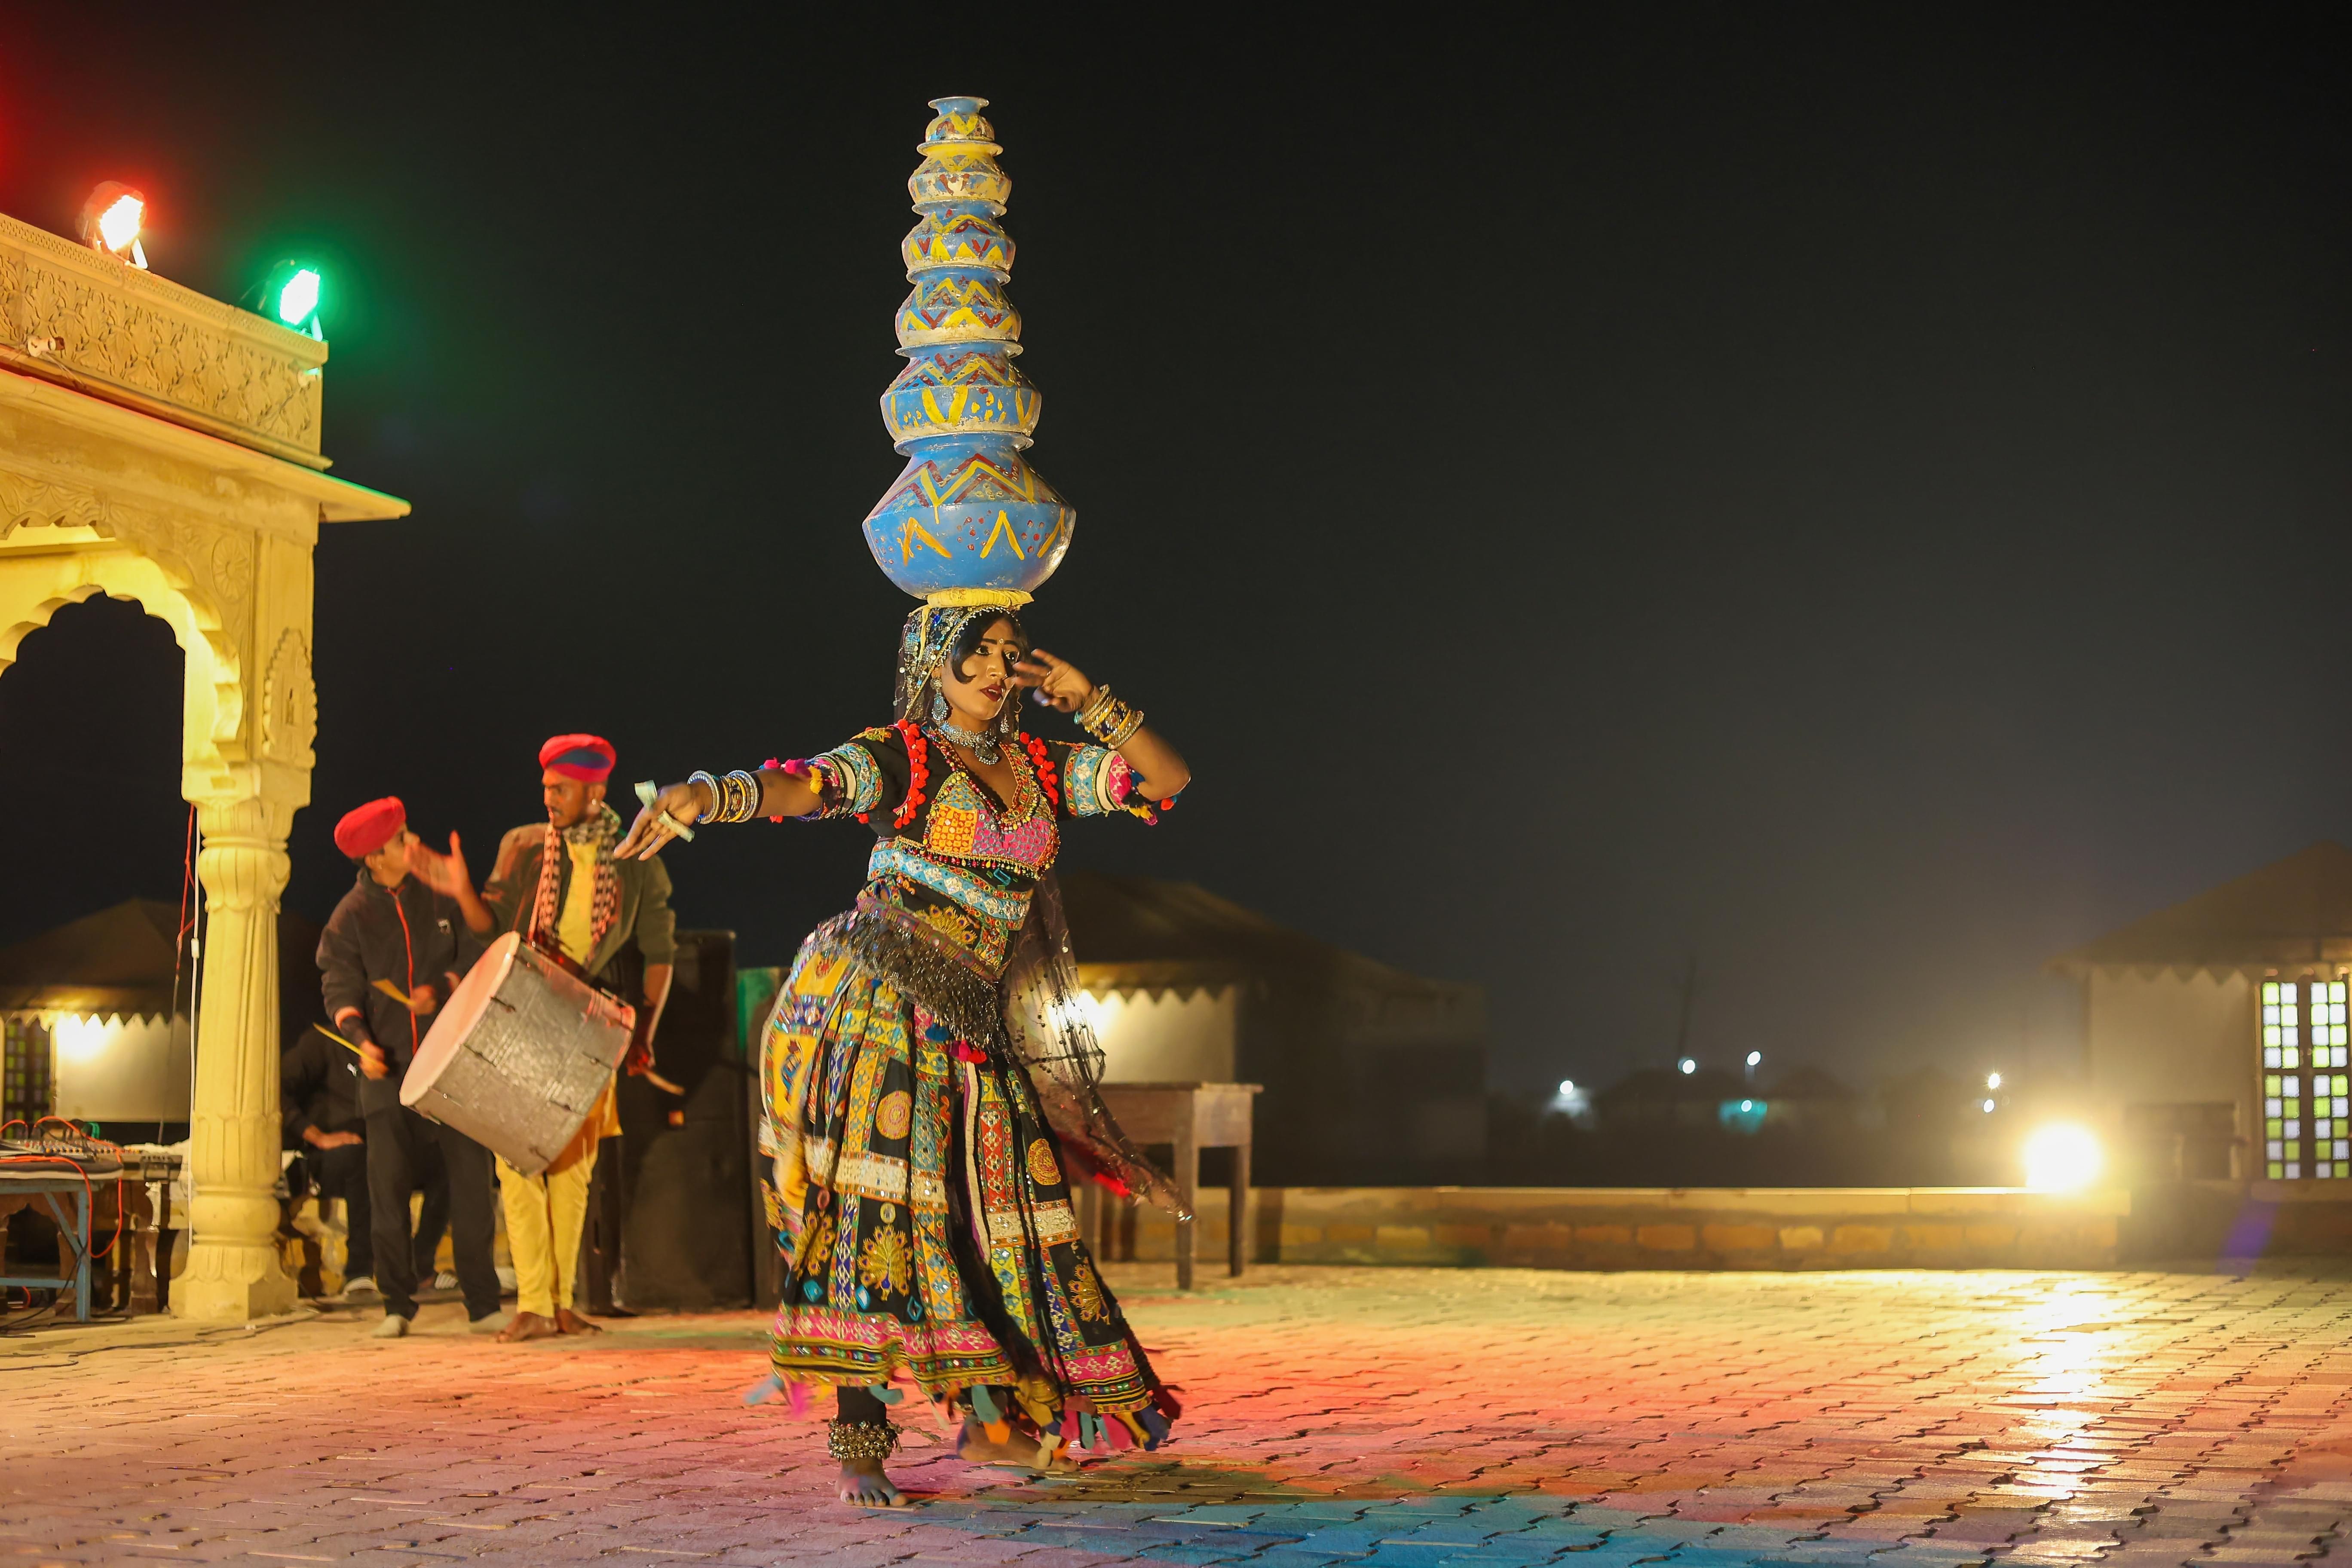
(683, 1192)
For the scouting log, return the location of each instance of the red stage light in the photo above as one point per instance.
(112, 220)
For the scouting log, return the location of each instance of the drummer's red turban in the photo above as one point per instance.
(588, 758)
(370, 827)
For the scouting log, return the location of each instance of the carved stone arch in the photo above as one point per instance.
(198, 582)
(211, 699)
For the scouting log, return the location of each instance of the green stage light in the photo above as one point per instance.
(298, 301)
(293, 296)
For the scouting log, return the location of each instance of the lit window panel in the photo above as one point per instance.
(2271, 1029)
(2306, 1024)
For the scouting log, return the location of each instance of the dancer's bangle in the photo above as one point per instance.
(1109, 720)
(735, 798)
(744, 791)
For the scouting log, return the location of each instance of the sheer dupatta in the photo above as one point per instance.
(1047, 1026)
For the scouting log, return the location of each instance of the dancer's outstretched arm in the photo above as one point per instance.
(780, 794)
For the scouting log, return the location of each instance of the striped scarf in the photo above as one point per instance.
(601, 827)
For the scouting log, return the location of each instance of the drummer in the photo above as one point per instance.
(559, 883)
(391, 952)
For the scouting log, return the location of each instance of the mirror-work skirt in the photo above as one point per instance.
(925, 1215)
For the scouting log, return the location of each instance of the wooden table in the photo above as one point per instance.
(1189, 1117)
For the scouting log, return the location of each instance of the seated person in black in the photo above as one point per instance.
(318, 1093)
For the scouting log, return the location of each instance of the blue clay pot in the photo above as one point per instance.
(967, 512)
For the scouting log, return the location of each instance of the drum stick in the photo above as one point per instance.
(339, 1039)
(396, 994)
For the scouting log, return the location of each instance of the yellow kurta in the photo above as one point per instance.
(545, 1215)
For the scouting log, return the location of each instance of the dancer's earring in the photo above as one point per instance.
(939, 706)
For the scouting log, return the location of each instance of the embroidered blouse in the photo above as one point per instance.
(949, 856)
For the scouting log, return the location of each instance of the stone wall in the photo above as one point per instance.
(1630, 1228)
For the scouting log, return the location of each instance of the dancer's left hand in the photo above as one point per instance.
(1056, 680)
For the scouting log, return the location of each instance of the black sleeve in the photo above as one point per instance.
(300, 1071)
(468, 947)
(865, 776)
(343, 973)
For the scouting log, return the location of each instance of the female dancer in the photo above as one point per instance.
(928, 1072)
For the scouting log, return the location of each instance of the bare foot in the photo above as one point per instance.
(1062, 1462)
(863, 1485)
(568, 1322)
(528, 1326)
(975, 1447)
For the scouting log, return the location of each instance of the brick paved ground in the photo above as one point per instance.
(1385, 1416)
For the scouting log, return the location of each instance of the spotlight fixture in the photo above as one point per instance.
(111, 219)
(1992, 1080)
(1686, 1066)
(291, 297)
(2061, 1158)
(1755, 1057)
(1567, 1085)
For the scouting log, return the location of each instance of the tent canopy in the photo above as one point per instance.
(1136, 932)
(120, 962)
(2295, 911)
(116, 961)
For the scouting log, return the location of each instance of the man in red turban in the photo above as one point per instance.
(560, 884)
(391, 952)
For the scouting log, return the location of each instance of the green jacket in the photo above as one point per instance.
(646, 924)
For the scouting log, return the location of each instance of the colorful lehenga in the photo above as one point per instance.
(930, 1106)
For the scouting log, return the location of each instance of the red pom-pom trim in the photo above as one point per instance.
(918, 770)
(778, 762)
(1043, 762)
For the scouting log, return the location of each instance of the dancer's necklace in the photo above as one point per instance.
(980, 743)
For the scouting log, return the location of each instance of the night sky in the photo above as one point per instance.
(1855, 495)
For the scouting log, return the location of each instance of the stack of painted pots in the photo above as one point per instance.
(968, 520)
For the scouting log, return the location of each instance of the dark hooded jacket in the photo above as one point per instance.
(409, 935)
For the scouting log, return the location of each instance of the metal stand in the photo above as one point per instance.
(19, 1189)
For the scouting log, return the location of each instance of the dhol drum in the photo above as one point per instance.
(519, 1055)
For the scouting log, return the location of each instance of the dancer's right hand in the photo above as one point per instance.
(647, 834)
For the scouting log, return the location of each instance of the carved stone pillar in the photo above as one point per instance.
(233, 1271)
